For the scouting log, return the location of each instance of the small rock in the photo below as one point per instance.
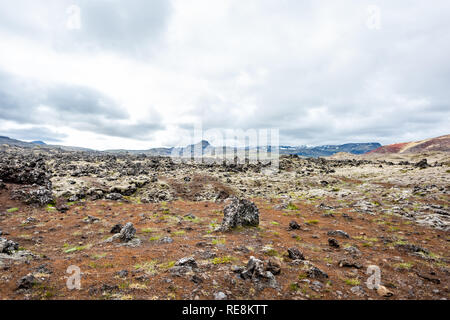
(220, 296)
(91, 219)
(165, 240)
(274, 266)
(422, 164)
(127, 233)
(122, 273)
(188, 261)
(357, 290)
(114, 196)
(293, 225)
(196, 279)
(384, 292)
(237, 269)
(353, 250)
(8, 246)
(63, 208)
(340, 233)
(26, 282)
(316, 273)
(333, 243)
(190, 216)
(344, 263)
(295, 254)
(116, 228)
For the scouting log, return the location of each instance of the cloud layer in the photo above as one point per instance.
(138, 74)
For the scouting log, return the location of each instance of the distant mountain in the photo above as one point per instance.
(329, 150)
(204, 147)
(434, 144)
(39, 144)
(16, 143)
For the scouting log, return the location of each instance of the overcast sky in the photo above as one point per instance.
(140, 73)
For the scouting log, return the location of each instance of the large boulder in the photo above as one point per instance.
(239, 213)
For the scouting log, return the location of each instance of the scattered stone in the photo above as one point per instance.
(353, 251)
(114, 196)
(357, 290)
(122, 273)
(190, 216)
(422, 164)
(240, 212)
(340, 233)
(293, 225)
(411, 248)
(188, 261)
(91, 219)
(333, 243)
(433, 280)
(295, 254)
(220, 296)
(344, 263)
(43, 269)
(255, 272)
(63, 208)
(196, 279)
(116, 228)
(316, 273)
(29, 220)
(165, 240)
(8, 246)
(127, 233)
(133, 243)
(237, 269)
(26, 282)
(274, 266)
(384, 292)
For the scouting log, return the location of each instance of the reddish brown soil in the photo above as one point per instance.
(436, 144)
(100, 262)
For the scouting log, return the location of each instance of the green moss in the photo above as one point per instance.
(166, 265)
(149, 267)
(294, 286)
(291, 206)
(352, 282)
(218, 241)
(223, 260)
(271, 253)
(75, 249)
(404, 265)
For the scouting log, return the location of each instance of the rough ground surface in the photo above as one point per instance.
(321, 224)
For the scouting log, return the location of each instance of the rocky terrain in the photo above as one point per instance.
(146, 227)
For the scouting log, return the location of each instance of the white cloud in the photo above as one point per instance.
(313, 70)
